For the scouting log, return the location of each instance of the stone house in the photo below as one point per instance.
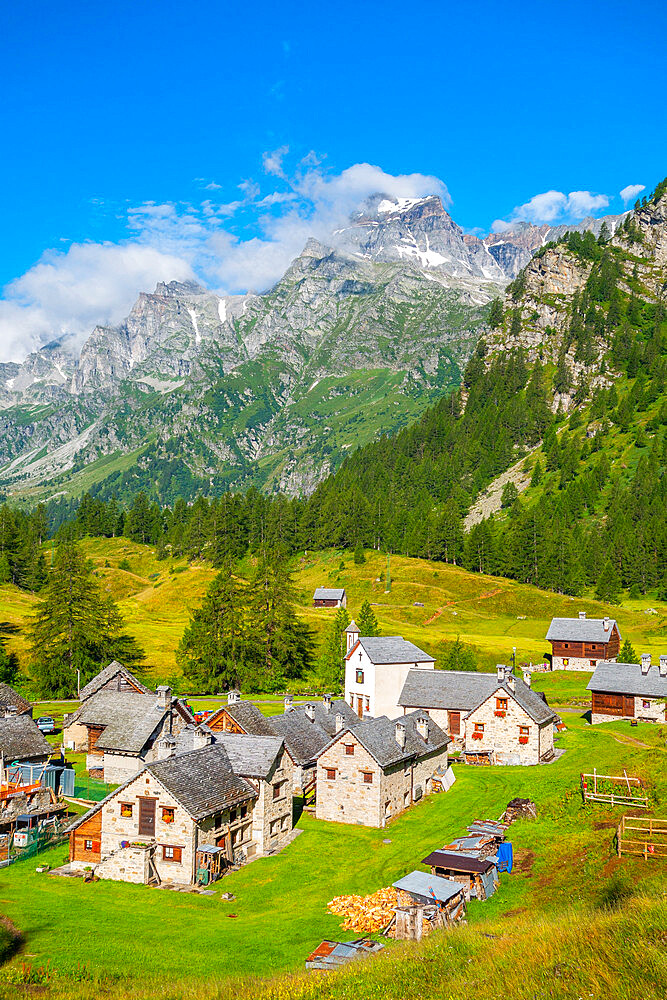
(511, 725)
(115, 677)
(581, 643)
(372, 772)
(629, 691)
(449, 695)
(21, 741)
(375, 671)
(330, 597)
(189, 813)
(123, 729)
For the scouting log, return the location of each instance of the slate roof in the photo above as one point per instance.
(329, 594)
(250, 756)
(129, 719)
(581, 629)
(305, 739)
(391, 649)
(378, 736)
(114, 669)
(202, 781)
(460, 690)
(248, 717)
(8, 696)
(20, 739)
(420, 883)
(465, 690)
(627, 678)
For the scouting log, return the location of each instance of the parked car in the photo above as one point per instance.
(45, 724)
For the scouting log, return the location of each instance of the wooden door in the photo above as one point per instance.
(146, 816)
(455, 723)
(360, 706)
(94, 733)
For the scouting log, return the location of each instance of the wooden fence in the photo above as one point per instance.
(614, 790)
(643, 836)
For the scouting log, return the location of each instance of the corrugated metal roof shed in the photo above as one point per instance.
(456, 862)
(419, 885)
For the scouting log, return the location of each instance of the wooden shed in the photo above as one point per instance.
(476, 875)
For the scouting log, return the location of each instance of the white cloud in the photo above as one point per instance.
(553, 207)
(68, 293)
(630, 192)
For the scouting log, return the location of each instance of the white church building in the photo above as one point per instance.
(375, 671)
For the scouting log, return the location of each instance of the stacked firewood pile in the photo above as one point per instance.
(366, 914)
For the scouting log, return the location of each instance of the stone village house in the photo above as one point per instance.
(190, 812)
(375, 671)
(21, 741)
(629, 691)
(114, 677)
(123, 729)
(581, 643)
(374, 771)
(511, 719)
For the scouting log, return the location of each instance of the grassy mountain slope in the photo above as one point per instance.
(491, 614)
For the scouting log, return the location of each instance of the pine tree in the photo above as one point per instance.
(459, 656)
(536, 477)
(509, 495)
(281, 644)
(9, 663)
(76, 628)
(214, 651)
(627, 653)
(359, 555)
(367, 622)
(496, 314)
(609, 584)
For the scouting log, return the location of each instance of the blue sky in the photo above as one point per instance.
(141, 138)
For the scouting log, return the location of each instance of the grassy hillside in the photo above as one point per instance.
(565, 915)
(492, 614)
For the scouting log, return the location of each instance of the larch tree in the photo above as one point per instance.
(367, 622)
(76, 630)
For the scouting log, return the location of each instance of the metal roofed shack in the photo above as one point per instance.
(332, 954)
(581, 643)
(479, 877)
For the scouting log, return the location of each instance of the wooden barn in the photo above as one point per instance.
(581, 643)
(330, 597)
(629, 691)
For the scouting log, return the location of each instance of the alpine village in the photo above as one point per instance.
(333, 640)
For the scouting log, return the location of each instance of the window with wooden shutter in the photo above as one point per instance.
(172, 853)
(168, 814)
(501, 704)
(349, 749)
(368, 777)
(126, 810)
(331, 773)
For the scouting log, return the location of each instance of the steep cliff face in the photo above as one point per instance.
(560, 309)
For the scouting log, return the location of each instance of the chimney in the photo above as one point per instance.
(202, 737)
(166, 747)
(351, 634)
(582, 615)
(400, 735)
(288, 704)
(422, 728)
(500, 671)
(326, 701)
(527, 680)
(663, 666)
(340, 722)
(310, 712)
(163, 697)
(511, 682)
(646, 662)
(606, 623)
(233, 696)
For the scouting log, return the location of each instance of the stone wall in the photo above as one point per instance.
(272, 818)
(501, 735)
(573, 663)
(424, 768)
(396, 791)
(127, 864)
(348, 799)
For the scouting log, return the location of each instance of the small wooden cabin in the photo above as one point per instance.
(581, 643)
(477, 876)
(329, 597)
